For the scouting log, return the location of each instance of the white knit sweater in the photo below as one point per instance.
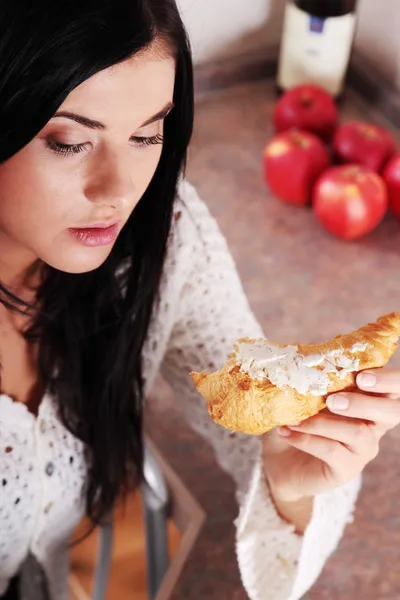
(203, 310)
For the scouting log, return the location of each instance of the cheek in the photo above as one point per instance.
(32, 191)
(17, 185)
(145, 168)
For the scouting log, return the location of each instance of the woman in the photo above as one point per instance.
(111, 268)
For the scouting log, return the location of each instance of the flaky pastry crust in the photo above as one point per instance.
(241, 403)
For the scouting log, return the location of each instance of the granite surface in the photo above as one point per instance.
(303, 285)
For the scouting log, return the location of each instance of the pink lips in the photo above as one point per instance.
(97, 234)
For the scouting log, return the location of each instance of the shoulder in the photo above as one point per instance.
(188, 251)
(186, 224)
(193, 227)
(194, 209)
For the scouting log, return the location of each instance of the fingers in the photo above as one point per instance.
(380, 381)
(358, 436)
(338, 462)
(383, 411)
(273, 443)
(329, 451)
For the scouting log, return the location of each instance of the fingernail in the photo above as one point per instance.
(338, 402)
(366, 380)
(294, 425)
(284, 431)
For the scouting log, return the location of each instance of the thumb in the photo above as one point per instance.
(274, 444)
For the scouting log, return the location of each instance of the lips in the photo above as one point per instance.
(96, 235)
(98, 225)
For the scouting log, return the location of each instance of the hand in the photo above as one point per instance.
(330, 449)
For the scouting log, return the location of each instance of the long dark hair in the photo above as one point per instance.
(91, 327)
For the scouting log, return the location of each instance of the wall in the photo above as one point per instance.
(378, 36)
(221, 27)
(225, 27)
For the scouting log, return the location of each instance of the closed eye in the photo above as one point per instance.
(148, 141)
(68, 149)
(64, 149)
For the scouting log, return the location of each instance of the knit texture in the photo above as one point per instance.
(201, 312)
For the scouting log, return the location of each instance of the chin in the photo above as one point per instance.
(83, 261)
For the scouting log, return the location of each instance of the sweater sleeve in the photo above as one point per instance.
(211, 313)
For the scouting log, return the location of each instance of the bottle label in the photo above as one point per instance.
(315, 50)
(317, 24)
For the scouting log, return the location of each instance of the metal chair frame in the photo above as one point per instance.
(155, 503)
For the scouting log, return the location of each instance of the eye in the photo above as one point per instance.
(148, 141)
(64, 149)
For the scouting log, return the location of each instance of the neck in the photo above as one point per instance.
(19, 269)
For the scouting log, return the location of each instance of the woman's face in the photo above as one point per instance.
(88, 167)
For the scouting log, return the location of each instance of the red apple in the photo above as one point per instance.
(364, 144)
(307, 107)
(292, 162)
(391, 174)
(350, 200)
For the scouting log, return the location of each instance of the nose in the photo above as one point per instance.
(110, 183)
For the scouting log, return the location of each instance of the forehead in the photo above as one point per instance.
(139, 86)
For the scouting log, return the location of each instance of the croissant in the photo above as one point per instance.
(264, 384)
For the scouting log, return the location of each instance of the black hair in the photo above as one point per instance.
(90, 328)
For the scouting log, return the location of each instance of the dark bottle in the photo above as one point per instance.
(316, 44)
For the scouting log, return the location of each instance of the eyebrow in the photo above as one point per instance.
(91, 124)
